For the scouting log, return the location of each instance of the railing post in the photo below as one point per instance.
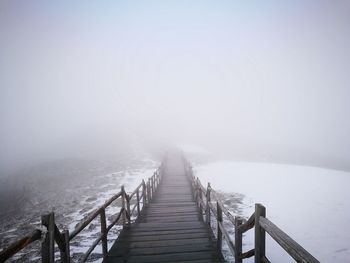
(238, 240)
(207, 217)
(123, 206)
(260, 236)
(219, 219)
(148, 191)
(104, 232)
(48, 245)
(195, 190)
(158, 177)
(63, 247)
(200, 199)
(66, 242)
(144, 198)
(138, 201)
(128, 209)
(153, 183)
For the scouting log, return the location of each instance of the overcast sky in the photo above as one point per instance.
(252, 80)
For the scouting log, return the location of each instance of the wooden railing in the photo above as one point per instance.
(51, 235)
(209, 203)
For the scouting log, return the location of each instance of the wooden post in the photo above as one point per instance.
(63, 248)
(152, 181)
(128, 209)
(66, 242)
(260, 236)
(148, 191)
(123, 206)
(207, 210)
(200, 199)
(195, 191)
(144, 198)
(48, 245)
(138, 201)
(104, 232)
(157, 178)
(238, 240)
(219, 219)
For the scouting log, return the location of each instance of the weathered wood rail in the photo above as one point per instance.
(52, 236)
(210, 204)
(167, 215)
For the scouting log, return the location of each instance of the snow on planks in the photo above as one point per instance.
(169, 228)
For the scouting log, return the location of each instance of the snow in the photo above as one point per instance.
(82, 192)
(130, 179)
(308, 203)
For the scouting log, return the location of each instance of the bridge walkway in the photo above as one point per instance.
(169, 228)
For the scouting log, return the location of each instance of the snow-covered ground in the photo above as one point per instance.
(310, 204)
(72, 193)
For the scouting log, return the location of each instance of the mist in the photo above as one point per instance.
(247, 81)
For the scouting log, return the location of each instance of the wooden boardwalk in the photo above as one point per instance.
(169, 229)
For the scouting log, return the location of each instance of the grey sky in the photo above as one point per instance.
(249, 80)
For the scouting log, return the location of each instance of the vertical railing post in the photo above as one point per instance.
(148, 191)
(123, 206)
(63, 248)
(48, 245)
(128, 209)
(66, 242)
(138, 201)
(104, 232)
(144, 198)
(207, 210)
(219, 219)
(260, 236)
(155, 180)
(200, 199)
(238, 240)
(152, 181)
(195, 191)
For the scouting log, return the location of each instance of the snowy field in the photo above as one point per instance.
(73, 194)
(308, 203)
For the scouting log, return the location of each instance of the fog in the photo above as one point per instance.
(254, 81)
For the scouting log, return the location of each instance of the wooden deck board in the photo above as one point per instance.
(169, 228)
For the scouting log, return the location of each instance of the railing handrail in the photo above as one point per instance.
(17, 246)
(53, 235)
(257, 220)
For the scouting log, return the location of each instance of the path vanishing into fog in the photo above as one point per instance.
(169, 228)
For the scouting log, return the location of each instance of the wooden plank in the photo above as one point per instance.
(286, 242)
(168, 226)
(166, 237)
(169, 215)
(126, 251)
(19, 245)
(174, 210)
(171, 257)
(156, 243)
(170, 220)
(144, 232)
